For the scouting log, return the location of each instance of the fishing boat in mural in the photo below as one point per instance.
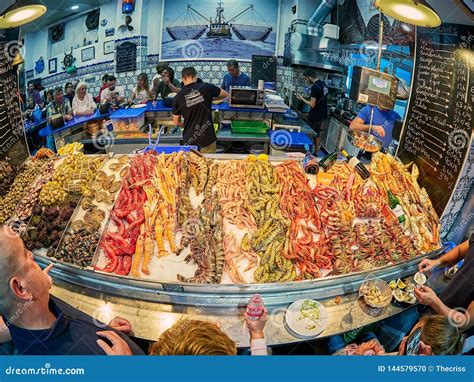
(245, 25)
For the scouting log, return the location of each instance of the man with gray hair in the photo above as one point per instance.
(234, 77)
(39, 324)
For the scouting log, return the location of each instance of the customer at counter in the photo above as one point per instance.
(33, 93)
(39, 324)
(234, 77)
(193, 103)
(159, 69)
(318, 114)
(383, 121)
(167, 85)
(113, 93)
(142, 93)
(83, 103)
(60, 105)
(30, 107)
(48, 97)
(105, 77)
(69, 92)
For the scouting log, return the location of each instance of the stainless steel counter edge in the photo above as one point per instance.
(224, 295)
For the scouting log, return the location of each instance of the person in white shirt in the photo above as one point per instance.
(83, 103)
(141, 94)
(113, 93)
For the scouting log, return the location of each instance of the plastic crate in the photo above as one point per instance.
(289, 141)
(249, 127)
(170, 149)
(126, 120)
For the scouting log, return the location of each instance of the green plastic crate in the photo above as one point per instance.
(249, 127)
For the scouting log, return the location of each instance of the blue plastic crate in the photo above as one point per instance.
(170, 149)
(286, 140)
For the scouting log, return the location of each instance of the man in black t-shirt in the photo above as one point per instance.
(193, 103)
(318, 113)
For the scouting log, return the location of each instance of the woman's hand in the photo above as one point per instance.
(426, 295)
(119, 346)
(256, 327)
(427, 265)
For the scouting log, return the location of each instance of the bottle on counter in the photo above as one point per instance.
(395, 206)
(328, 161)
(255, 307)
(310, 164)
(357, 165)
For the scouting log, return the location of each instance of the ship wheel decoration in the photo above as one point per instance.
(68, 62)
(39, 65)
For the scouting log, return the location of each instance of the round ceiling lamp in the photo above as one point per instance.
(416, 12)
(15, 17)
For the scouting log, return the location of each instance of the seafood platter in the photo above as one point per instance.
(187, 219)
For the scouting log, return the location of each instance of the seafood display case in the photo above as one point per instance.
(191, 231)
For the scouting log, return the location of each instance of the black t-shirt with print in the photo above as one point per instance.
(194, 102)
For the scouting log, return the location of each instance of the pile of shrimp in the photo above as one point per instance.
(231, 190)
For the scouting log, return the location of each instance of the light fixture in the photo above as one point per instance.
(75, 7)
(416, 12)
(14, 17)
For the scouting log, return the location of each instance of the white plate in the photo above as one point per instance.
(302, 327)
(140, 105)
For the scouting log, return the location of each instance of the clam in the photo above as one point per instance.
(100, 196)
(77, 225)
(101, 175)
(410, 298)
(420, 278)
(399, 295)
(107, 183)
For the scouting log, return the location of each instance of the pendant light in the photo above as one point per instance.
(15, 16)
(416, 12)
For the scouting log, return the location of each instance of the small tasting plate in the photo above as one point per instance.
(303, 327)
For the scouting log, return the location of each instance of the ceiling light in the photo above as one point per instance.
(416, 12)
(74, 7)
(15, 17)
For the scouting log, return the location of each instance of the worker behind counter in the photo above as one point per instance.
(193, 103)
(234, 77)
(383, 122)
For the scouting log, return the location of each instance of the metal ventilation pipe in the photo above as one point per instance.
(316, 20)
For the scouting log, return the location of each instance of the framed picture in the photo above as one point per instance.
(87, 54)
(53, 65)
(109, 32)
(30, 74)
(109, 47)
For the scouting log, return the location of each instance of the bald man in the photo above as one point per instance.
(39, 324)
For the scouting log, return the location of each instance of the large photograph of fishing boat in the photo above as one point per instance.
(218, 29)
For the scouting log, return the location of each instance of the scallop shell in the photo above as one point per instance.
(420, 278)
(123, 159)
(116, 166)
(107, 183)
(101, 175)
(115, 186)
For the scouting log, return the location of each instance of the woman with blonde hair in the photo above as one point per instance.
(83, 103)
(142, 93)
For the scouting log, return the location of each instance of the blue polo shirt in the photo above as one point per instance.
(73, 333)
(241, 80)
(384, 118)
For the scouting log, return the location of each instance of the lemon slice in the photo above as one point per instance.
(252, 158)
(393, 284)
(401, 284)
(263, 157)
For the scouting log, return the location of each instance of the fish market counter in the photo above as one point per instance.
(154, 307)
(154, 238)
